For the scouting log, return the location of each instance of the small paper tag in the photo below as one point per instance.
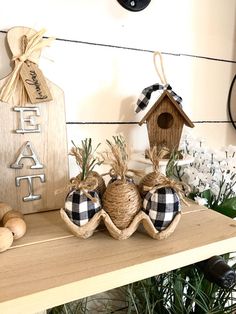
(35, 83)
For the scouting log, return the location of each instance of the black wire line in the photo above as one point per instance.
(177, 54)
(229, 103)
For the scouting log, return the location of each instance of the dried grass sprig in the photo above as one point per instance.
(155, 156)
(85, 157)
(117, 157)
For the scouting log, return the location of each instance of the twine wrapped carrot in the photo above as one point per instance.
(121, 199)
(157, 180)
(83, 201)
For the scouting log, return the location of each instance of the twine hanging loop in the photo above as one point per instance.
(161, 73)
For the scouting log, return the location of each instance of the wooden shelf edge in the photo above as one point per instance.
(76, 290)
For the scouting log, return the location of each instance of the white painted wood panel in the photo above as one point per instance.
(203, 27)
(103, 84)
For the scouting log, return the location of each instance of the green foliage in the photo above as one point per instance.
(174, 156)
(227, 207)
(84, 156)
(182, 291)
(76, 307)
(120, 142)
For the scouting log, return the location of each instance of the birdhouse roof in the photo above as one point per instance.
(186, 119)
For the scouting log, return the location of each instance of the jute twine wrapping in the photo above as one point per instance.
(14, 82)
(122, 202)
(149, 180)
(101, 183)
(121, 199)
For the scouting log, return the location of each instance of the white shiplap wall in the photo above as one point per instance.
(102, 59)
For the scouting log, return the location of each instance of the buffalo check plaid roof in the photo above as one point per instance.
(161, 205)
(81, 209)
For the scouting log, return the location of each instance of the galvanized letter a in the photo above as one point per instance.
(23, 154)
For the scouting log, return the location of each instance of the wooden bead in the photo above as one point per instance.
(6, 239)
(4, 208)
(17, 227)
(11, 214)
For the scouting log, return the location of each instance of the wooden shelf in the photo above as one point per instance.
(49, 266)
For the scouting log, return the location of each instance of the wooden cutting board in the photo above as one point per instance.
(33, 165)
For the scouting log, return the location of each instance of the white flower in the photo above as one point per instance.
(213, 170)
(202, 188)
(215, 189)
(230, 151)
(200, 200)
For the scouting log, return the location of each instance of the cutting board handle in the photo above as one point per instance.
(14, 39)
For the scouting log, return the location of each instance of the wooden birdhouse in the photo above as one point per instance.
(165, 122)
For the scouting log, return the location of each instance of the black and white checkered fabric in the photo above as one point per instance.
(145, 96)
(161, 205)
(81, 209)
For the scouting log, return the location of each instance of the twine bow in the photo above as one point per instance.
(86, 185)
(145, 96)
(35, 43)
(164, 182)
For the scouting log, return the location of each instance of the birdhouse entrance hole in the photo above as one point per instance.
(165, 120)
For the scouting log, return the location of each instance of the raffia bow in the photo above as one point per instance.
(34, 44)
(86, 185)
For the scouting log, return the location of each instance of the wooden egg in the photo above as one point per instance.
(17, 226)
(11, 214)
(4, 208)
(6, 239)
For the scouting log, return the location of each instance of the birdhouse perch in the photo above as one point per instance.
(165, 122)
